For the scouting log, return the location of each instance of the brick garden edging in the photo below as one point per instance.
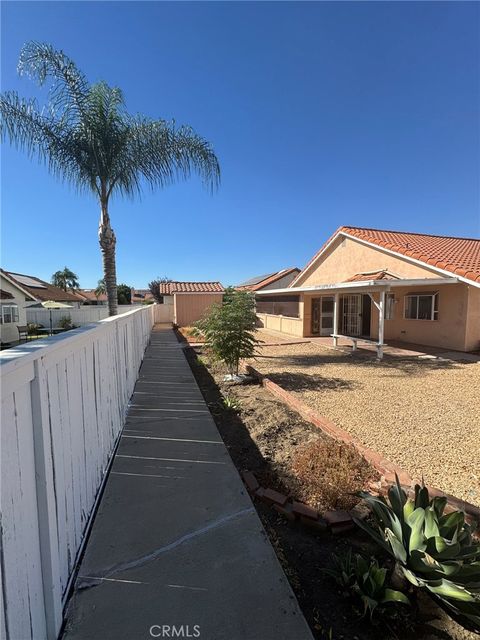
(337, 522)
(385, 467)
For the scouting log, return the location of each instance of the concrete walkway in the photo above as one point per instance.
(176, 540)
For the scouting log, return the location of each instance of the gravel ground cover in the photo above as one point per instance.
(424, 415)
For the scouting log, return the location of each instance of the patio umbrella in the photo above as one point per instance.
(51, 304)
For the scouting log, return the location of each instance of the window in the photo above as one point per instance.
(278, 305)
(9, 313)
(421, 306)
(389, 306)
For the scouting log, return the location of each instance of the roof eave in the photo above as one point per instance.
(368, 285)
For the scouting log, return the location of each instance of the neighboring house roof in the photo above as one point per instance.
(372, 275)
(89, 294)
(259, 282)
(139, 295)
(256, 280)
(39, 289)
(169, 288)
(458, 256)
(6, 295)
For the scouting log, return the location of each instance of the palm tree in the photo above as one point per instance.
(86, 137)
(100, 289)
(65, 279)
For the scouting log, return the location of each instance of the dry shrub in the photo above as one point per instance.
(326, 473)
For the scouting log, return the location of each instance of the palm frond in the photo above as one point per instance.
(68, 94)
(161, 154)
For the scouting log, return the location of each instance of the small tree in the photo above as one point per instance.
(229, 328)
(124, 294)
(154, 287)
(101, 289)
(65, 279)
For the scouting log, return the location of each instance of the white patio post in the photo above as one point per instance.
(335, 319)
(381, 324)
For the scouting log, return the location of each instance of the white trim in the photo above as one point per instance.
(370, 285)
(372, 245)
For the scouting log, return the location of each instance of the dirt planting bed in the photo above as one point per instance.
(422, 414)
(264, 436)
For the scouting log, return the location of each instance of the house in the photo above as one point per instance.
(275, 280)
(186, 302)
(13, 298)
(40, 291)
(384, 285)
(88, 296)
(141, 296)
(284, 306)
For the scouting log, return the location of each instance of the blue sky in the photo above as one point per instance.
(321, 114)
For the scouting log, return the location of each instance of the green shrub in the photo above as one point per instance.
(229, 328)
(365, 580)
(66, 323)
(434, 550)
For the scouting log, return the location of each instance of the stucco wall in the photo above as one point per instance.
(472, 333)
(447, 332)
(290, 326)
(9, 332)
(347, 257)
(190, 307)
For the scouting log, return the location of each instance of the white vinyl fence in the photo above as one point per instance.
(64, 400)
(79, 316)
(164, 312)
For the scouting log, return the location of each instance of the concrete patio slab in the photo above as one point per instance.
(176, 541)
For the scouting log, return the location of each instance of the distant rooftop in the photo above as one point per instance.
(259, 282)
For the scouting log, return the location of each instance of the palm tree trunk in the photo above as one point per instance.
(107, 240)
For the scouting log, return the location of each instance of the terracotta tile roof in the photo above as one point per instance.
(6, 295)
(459, 256)
(169, 288)
(257, 284)
(89, 294)
(41, 290)
(378, 275)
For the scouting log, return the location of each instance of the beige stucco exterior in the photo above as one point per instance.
(346, 257)
(190, 307)
(456, 327)
(448, 331)
(291, 326)
(9, 332)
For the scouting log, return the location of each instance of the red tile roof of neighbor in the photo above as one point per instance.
(459, 256)
(89, 294)
(169, 288)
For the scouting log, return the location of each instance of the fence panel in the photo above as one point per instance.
(164, 312)
(80, 316)
(64, 400)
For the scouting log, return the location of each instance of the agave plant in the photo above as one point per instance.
(231, 403)
(365, 580)
(434, 550)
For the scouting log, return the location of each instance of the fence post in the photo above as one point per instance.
(47, 519)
